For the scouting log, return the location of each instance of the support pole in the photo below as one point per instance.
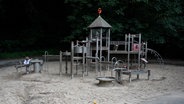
(46, 60)
(96, 55)
(72, 55)
(60, 63)
(128, 64)
(83, 59)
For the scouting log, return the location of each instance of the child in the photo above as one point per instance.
(27, 64)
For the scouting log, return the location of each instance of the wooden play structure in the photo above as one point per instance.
(126, 57)
(96, 49)
(135, 57)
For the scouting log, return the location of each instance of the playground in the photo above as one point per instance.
(96, 70)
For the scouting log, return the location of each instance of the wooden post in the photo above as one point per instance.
(72, 55)
(60, 63)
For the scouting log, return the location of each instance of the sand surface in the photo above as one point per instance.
(49, 87)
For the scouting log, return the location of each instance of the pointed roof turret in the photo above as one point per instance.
(99, 22)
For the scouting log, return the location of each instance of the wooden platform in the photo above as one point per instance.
(121, 71)
(123, 52)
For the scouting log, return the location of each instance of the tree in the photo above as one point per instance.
(160, 21)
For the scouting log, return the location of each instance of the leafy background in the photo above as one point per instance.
(33, 26)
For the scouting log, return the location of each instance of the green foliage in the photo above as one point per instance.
(156, 19)
(33, 25)
(161, 22)
(14, 55)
